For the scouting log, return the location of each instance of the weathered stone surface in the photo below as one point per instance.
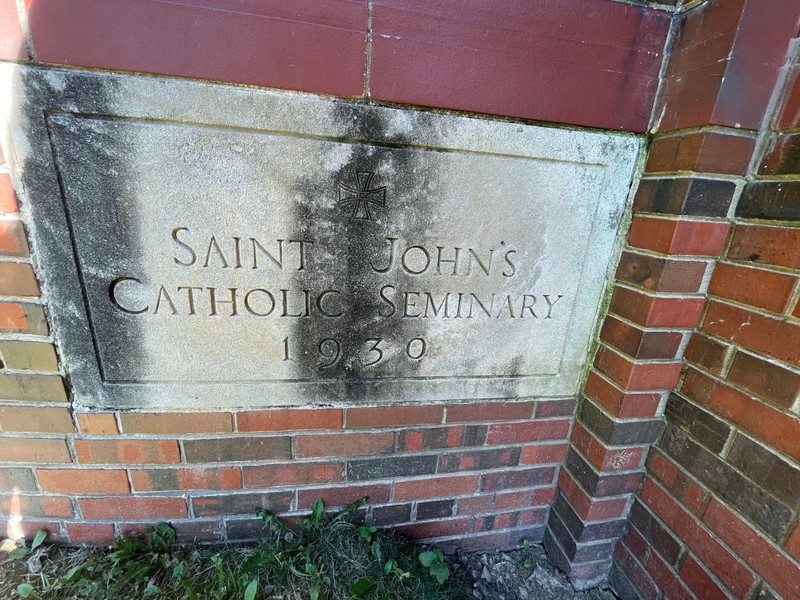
(213, 246)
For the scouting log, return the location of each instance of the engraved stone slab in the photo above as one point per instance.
(213, 246)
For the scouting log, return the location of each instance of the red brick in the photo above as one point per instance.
(617, 401)
(655, 311)
(434, 438)
(13, 241)
(292, 473)
(290, 419)
(16, 528)
(337, 497)
(511, 500)
(17, 279)
(97, 423)
(393, 416)
(533, 431)
(772, 426)
(35, 419)
(767, 560)
(437, 528)
(647, 590)
(83, 481)
(261, 43)
(773, 337)
(661, 274)
(32, 450)
(12, 317)
(601, 457)
(699, 581)
(242, 504)
(536, 454)
(151, 507)
(590, 510)
(564, 407)
(170, 423)
(127, 451)
(766, 245)
(516, 59)
(544, 496)
(708, 152)
(164, 480)
(8, 199)
(683, 237)
(680, 485)
(90, 534)
(474, 504)
(706, 352)
(17, 479)
(757, 287)
(36, 506)
(523, 478)
(638, 343)
(666, 579)
(344, 444)
(489, 458)
(721, 562)
(637, 376)
(435, 487)
(770, 381)
(789, 116)
(792, 544)
(489, 411)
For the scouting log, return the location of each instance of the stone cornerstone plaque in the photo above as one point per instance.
(215, 246)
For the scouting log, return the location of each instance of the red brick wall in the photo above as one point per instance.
(699, 349)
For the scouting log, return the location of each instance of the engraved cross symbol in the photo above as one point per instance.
(362, 196)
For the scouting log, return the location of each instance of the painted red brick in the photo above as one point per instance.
(772, 426)
(757, 287)
(769, 562)
(151, 507)
(655, 311)
(774, 337)
(337, 497)
(169, 423)
(706, 352)
(721, 562)
(516, 59)
(636, 376)
(132, 451)
(766, 245)
(543, 454)
(534, 431)
(162, 480)
(35, 419)
(33, 450)
(292, 473)
(617, 401)
(83, 481)
(91, 534)
(435, 487)
(683, 237)
(489, 411)
(392, 416)
(288, 419)
(699, 581)
(12, 45)
(344, 444)
(768, 380)
(309, 45)
(97, 423)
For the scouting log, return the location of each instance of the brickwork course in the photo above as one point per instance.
(675, 472)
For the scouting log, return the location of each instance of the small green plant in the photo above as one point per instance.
(433, 560)
(319, 557)
(528, 562)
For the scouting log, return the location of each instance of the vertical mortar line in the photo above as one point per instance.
(667, 51)
(773, 107)
(794, 298)
(367, 50)
(22, 14)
